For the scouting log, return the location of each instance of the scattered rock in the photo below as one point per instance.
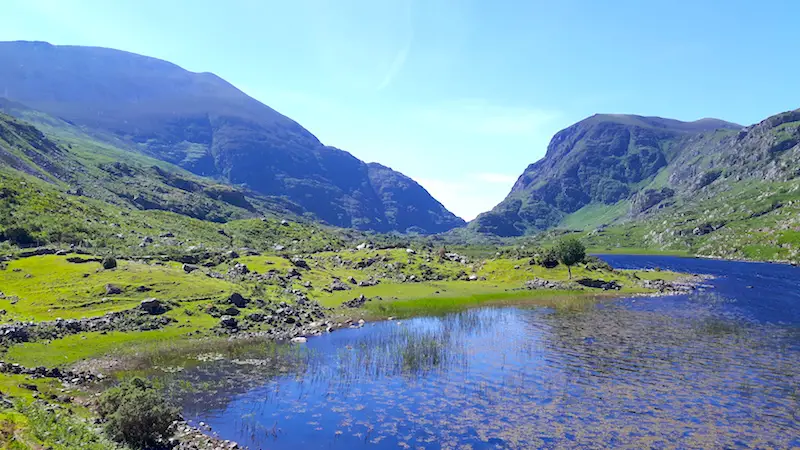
(599, 284)
(256, 317)
(351, 280)
(538, 283)
(473, 277)
(189, 268)
(61, 253)
(299, 340)
(356, 302)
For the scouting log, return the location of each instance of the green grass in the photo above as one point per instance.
(594, 215)
(49, 287)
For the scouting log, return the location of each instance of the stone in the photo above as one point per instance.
(599, 284)
(300, 262)
(351, 280)
(293, 273)
(229, 322)
(236, 299)
(113, 290)
(299, 340)
(473, 277)
(152, 306)
(189, 268)
(411, 251)
(285, 223)
(231, 311)
(61, 253)
(338, 285)
(256, 317)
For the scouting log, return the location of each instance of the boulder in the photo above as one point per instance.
(256, 317)
(293, 273)
(229, 322)
(300, 262)
(152, 306)
(189, 268)
(236, 299)
(232, 311)
(351, 280)
(338, 285)
(113, 290)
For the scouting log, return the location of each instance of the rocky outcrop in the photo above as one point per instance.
(137, 319)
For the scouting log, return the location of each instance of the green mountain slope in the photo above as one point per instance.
(205, 125)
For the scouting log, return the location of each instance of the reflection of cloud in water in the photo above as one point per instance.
(517, 378)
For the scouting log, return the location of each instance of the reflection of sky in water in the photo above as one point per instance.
(688, 372)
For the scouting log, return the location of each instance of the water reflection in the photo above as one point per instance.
(670, 372)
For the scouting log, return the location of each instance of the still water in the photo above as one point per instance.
(718, 368)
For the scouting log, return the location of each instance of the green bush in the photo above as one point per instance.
(549, 258)
(109, 262)
(136, 414)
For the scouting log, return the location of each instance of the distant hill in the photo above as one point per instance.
(205, 125)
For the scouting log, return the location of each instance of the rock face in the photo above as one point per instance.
(204, 124)
(642, 164)
(598, 160)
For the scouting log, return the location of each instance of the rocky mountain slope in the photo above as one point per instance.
(707, 187)
(201, 123)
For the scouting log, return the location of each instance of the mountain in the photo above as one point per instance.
(624, 183)
(601, 160)
(203, 124)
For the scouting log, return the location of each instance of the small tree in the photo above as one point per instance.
(570, 251)
(136, 414)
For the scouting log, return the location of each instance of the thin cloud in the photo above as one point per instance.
(480, 116)
(398, 63)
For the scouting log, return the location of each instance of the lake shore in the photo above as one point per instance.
(45, 296)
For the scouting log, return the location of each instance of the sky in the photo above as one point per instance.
(460, 95)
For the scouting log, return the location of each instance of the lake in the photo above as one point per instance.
(716, 368)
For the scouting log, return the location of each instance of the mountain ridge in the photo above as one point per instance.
(202, 123)
(605, 159)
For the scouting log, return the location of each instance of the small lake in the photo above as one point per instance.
(719, 368)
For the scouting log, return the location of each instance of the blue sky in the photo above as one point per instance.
(459, 94)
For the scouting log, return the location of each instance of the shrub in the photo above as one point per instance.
(136, 414)
(18, 236)
(549, 258)
(570, 251)
(595, 263)
(109, 262)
